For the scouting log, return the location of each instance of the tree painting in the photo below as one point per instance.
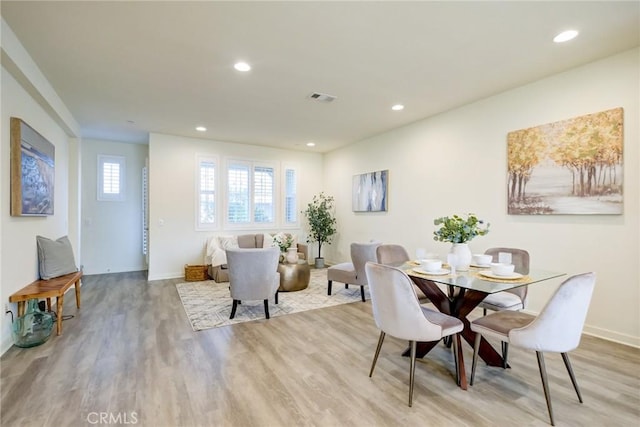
(568, 167)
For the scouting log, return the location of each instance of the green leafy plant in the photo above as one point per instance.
(322, 222)
(456, 229)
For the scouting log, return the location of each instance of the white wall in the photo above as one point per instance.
(19, 254)
(172, 185)
(456, 163)
(26, 93)
(112, 230)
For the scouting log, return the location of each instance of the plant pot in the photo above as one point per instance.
(319, 263)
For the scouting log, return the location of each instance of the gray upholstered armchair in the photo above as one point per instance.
(253, 275)
(353, 273)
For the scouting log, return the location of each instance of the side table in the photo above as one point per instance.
(294, 277)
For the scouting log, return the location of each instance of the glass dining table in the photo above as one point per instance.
(464, 291)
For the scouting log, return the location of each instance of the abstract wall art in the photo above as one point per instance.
(370, 192)
(572, 166)
(32, 171)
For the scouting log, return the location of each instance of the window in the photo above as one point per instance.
(206, 200)
(111, 174)
(290, 197)
(250, 193)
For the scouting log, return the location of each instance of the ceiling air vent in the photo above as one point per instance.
(322, 97)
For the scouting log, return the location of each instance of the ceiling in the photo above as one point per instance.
(125, 69)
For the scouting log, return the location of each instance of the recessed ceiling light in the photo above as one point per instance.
(565, 36)
(242, 66)
(397, 107)
(201, 128)
(311, 144)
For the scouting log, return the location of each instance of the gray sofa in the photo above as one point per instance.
(220, 273)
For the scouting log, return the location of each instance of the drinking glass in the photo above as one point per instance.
(504, 257)
(421, 253)
(452, 260)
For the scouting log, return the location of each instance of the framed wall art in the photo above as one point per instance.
(32, 171)
(370, 192)
(572, 166)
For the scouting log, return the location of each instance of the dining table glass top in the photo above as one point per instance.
(475, 280)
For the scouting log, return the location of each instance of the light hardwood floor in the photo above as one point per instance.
(130, 356)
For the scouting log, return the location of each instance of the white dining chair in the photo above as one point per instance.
(512, 299)
(396, 255)
(397, 312)
(557, 329)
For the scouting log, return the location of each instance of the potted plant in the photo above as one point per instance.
(322, 223)
(459, 231)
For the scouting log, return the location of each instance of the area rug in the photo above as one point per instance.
(208, 304)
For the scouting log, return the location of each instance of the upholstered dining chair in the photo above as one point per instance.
(253, 275)
(512, 299)
(396, 255)
(353, 273)
(397, 312)
(556, 329)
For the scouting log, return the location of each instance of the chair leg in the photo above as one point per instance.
(362, 293)
(455, 357)
(266, 308)
(545, 384)
(375, 357)
(329, 287)
(484, 311)
(346, 286)
(276, 297)
(233, 308)
(412, 371)
(567, 363)
(476, 350)
(505, 353)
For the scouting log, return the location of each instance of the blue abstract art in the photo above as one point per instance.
(370, 192)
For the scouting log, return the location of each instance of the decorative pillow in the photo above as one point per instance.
(267, 241)
(228, 242)
(55, 257)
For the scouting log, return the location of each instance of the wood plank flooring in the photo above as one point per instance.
(129, 357)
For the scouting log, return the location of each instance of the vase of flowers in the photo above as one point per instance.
(459, 231)
(284, 242)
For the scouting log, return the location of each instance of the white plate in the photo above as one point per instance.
(488, 273)
(440, 272)
(481, 265)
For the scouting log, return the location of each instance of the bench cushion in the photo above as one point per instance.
(55, 257)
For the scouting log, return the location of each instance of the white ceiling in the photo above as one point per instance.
(168, 66)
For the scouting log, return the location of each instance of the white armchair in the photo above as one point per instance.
(253, 275)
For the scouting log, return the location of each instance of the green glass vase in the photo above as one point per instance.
(34, 328)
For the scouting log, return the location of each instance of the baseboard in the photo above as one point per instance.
(612, 336)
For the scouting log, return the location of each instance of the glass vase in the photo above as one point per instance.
(34, 328)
